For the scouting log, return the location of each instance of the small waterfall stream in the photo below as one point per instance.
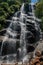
(20, 36)
(23, 29)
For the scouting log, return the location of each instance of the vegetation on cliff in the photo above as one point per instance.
(8, 8)
(39, 12)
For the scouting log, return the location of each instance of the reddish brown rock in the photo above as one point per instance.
(38, 53)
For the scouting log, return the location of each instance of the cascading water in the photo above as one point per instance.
(23, 29)
(19, 36)
(11, 35)
(36, 26)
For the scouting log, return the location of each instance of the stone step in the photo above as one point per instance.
(29, 20)
(30, 17)
(31, 14)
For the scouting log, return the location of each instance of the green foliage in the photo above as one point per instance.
(1, 27)
(26, 1)
(1, 11)
(40, 0)
(2, 18)
(14, 8)
(8, 8)
(39, 10)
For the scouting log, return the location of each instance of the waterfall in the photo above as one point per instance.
(22, 8)
(11, 34)
(20, 37)
(23, 29)
(37, 27)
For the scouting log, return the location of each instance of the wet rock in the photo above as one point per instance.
(2, 32)
(9, 47)
(38, 53)
(30, 48)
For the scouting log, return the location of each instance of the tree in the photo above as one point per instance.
(40, 0)
(39, 10)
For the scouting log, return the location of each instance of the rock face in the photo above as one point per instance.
(2, 32)
(11, 44)
(9, 47)
(40, 46)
